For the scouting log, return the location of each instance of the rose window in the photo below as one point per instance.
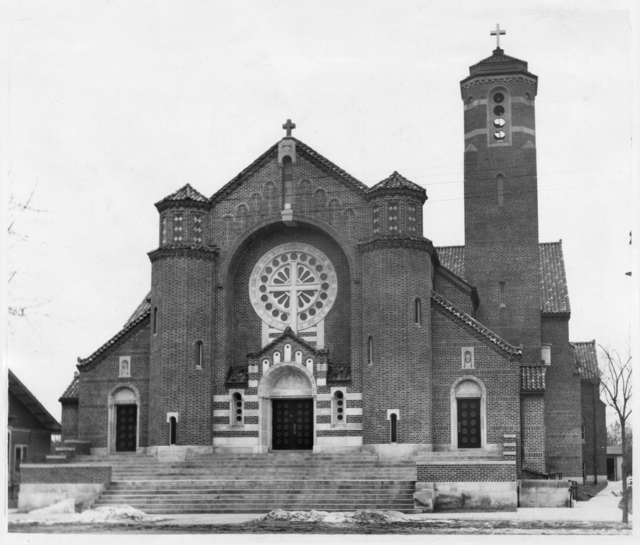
(293, 285)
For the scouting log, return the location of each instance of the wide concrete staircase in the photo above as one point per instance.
(259, 483)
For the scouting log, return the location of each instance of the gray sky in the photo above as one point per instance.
(107, 107)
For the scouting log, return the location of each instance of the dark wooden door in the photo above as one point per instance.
(126, 427)
(292, 424)
(469, 423)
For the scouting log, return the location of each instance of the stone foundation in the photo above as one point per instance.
(535, 493)
(475, 495)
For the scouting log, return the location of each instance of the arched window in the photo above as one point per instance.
(287, 182)
(499, 116)
(242, 213)
(394, 427)
(199, 353)
(334, 212)
(339, 409)
(173, 430)
(155, 320)
(304, 201)
(370, 351)
(500, 190)
(237, 409)
(417, 311)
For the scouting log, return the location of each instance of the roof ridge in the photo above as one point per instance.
(86, 361)
(288, 332)
(472, 323)
(396, 181)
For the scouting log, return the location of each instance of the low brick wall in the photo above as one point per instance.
(467, 472)
(536, 493)
(45, 484)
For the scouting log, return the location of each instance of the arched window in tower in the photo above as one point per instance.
(154, 325)
(502, 294)
(199, 354)
(370, 351)
(304, 191)
(500, 181)
(287, 182)
(173, 430)
(393, 418)
(334, 212)
(320, 202)
(164, 230)
(499, 116)
(270, 195)
(417, 311)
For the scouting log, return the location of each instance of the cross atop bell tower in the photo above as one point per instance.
(497, 33)
(288, 126)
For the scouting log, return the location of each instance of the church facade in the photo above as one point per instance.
(299, 309)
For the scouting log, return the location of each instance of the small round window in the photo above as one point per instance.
(498, 110)
(498, 98)
(499, 136)
(499, 123)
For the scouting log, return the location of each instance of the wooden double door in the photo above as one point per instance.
(469, 435)
(126, 428)
(292, 424)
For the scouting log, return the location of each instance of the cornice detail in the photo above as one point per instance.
(205, 253)
(396, 241)
(491, 79)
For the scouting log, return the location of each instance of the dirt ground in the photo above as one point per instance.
(423, 527)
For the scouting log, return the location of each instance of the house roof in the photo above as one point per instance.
(130, 326)
(71, 393)
(498, 57)
(24, 395)
(304, 151)
(532, 378)
(397, 181)
(497, 342)
(587, 359)
(554, 293)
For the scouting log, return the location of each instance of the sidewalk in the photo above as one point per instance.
(601, 508)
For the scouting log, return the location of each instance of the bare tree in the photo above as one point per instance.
(616, 388)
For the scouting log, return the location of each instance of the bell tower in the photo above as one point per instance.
(500, 197)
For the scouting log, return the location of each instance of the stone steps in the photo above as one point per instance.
(160, 486)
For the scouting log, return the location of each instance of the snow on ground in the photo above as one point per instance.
(108, 513)
(365, 516)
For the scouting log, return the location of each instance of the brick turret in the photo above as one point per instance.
(182, 332)
(501, 201)
(397, 275)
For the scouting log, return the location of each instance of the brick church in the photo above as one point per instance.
(299, 308)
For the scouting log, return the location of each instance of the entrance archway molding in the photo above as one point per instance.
(468, 386)
(292, 375)
(112, 400)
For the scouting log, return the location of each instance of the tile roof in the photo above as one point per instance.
(185, 193)
(452, 257)
(554, 293)
(30, 401)
(498, 57)
(113, 340)
(397, 181)
(587, 356)
(513, 352)
(144, 306)
(532, 379)
(71, 393)
(305, 152)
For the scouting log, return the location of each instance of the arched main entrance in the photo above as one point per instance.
(287, 404)
(468, 414)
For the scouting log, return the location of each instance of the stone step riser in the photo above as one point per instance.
(242, 485)
(286, 498)
(245, 491)
(241, 507)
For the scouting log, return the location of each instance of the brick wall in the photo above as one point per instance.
(400, 376)
(533, 442)
(501, 242)
(594, 444)
(500, 377)
(466, 472)
(66, 474)
(183, 290)
(69, 421)
(453, 292)
(101, 377)
(562, 401)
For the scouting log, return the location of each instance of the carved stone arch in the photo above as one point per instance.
(118, 396)
(282, 380)
(472, 387)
